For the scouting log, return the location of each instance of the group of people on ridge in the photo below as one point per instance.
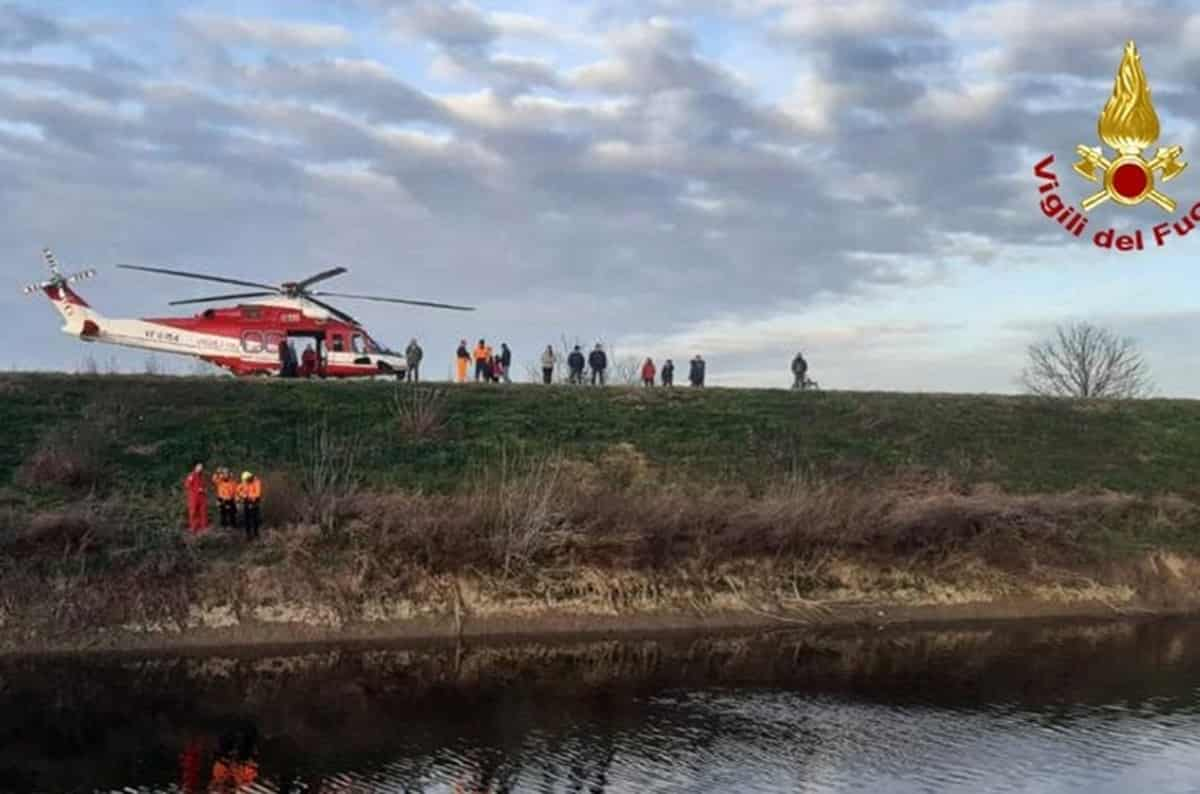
(490, 367)
(239, 502)
(695, 372)
(496, 367)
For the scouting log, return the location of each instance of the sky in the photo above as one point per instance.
(737, 178)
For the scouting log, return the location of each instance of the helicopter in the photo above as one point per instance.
(244, 338)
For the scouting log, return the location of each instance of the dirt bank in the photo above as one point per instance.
(235, 606)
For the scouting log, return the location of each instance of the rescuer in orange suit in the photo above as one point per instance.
(197, 500)
(249, 495)
(462, 361)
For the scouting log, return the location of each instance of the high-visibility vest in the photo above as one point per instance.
(226, 488)
(250, 491)
(481, 353)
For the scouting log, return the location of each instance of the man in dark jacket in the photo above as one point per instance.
(696, 376)
(575, 363)
(412, 357)
(668, 373)
(598, 362)
(799, 370)
(506, 360)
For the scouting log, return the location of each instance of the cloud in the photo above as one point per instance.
(267, 32)
(626, 174)
(22, 28)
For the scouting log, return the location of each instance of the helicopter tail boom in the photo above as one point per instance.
(79, 319)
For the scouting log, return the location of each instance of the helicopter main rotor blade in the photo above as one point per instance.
(398, 300)
(201, 276)
(338, 313)
(308, 282)
(223, 298)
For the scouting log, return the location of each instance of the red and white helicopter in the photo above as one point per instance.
(244, 338)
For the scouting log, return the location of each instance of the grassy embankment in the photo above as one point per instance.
(440, 509)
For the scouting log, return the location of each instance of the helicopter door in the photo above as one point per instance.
(338, 349)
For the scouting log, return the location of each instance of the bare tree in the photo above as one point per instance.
(626, 370)
(1085, 360)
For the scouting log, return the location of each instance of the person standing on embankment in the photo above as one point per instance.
(249, 495)
(648, 373)
(462, 361)
(548, 365)
(226, 488)
(799, 371)
(197, 499)
(505, 362)
(598, 362)
(482, 354)
(576, 363)
(412, 360)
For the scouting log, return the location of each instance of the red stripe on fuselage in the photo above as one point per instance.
(66, 294)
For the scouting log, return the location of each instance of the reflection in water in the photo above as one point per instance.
(1109, 708)
(234, 763)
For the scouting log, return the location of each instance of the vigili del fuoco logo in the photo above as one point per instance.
(1128, 125)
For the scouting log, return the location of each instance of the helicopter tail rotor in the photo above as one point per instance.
(57, 279)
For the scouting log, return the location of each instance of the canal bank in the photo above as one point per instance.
(434, 511)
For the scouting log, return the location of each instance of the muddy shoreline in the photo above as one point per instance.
(263, 637)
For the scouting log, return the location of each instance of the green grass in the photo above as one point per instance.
(150, 428)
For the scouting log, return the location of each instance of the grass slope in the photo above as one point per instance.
(147, 429)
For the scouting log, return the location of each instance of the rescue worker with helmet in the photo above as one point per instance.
(249, 497)
(226, 488)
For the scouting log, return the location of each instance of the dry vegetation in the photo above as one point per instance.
(90, 534)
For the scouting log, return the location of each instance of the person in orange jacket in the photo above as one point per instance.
(249, 496)
(462, 361)
(648, 372)
(197, 499)
(226, 488)
(482, 354)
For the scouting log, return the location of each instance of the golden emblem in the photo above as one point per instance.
(1129, 124)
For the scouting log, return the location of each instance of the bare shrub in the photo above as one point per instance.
(419, 411)
(70, 457)
(626, 370)
(328, 461)
(284, 500)
(521, 507)
(56, 532)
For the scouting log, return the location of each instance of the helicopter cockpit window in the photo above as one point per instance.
(356, 343)
(339, 344)
(252, 342)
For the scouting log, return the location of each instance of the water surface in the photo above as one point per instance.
(1101, 708)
